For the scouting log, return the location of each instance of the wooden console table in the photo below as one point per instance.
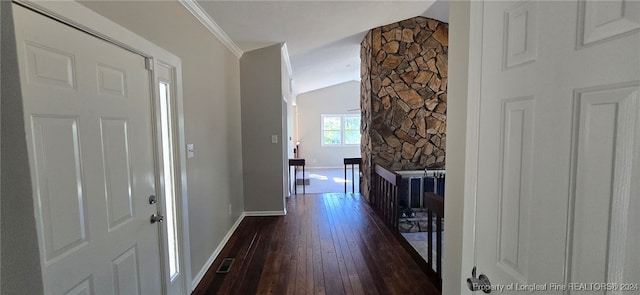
(295, 163)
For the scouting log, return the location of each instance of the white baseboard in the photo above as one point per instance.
(196, 280)
(265, 213)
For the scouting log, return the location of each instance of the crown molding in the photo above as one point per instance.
(206, 20)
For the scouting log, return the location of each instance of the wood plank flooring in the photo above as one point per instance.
(326, 244)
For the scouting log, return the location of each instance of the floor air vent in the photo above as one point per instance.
(225, 266)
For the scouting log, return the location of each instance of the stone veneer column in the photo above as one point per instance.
(404, 96)
(365, 108)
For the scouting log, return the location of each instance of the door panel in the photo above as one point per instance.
(59, 185)
(602, 20)
(112, 81)
(521, 33)
(559, 144)
(606, 129)
(117, 167)
(87, 107)
(50, 67)
(515, 194)
(126, 273)
(83, 288)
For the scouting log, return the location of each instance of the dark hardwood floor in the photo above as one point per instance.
(326, 244)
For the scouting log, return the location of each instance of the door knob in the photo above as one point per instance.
(480, 283)
(156, 218)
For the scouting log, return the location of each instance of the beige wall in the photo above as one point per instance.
(211, 91)
(20, 256)
(262, 117)
(456, 145)
(337, 99)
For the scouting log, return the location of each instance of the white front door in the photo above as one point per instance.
(87, 106)
(558, 190)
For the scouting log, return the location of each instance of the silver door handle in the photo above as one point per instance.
(480, 283)
(156, 218)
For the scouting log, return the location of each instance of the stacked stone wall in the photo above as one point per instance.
(404, 96)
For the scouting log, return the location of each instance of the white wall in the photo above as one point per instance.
(337, 99)
(287, 110)
(211, 92)
(289, 95)
(456, 147)
(262, 117)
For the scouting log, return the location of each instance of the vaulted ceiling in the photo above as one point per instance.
(323, 37)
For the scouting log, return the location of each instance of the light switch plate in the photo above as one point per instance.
(274, 138)
(190, 151)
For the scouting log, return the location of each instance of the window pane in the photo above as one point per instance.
(352, 123)
(351, 137)
(331, 137)
(331, 123)
(169, 182)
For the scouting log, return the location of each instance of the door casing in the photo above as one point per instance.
(472, 142)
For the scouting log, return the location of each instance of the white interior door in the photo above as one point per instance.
(558, 196)
(87, 107)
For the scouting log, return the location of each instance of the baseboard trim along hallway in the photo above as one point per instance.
(196, 280)
(265, 213)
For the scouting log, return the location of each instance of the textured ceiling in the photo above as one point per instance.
(323, 37)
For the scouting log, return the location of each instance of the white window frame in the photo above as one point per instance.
(342, 129)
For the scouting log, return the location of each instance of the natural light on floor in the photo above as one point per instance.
(328, 180)
(341, 180)
(318, 176)
(324, 177)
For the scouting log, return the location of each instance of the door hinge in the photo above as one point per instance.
(148, 63)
